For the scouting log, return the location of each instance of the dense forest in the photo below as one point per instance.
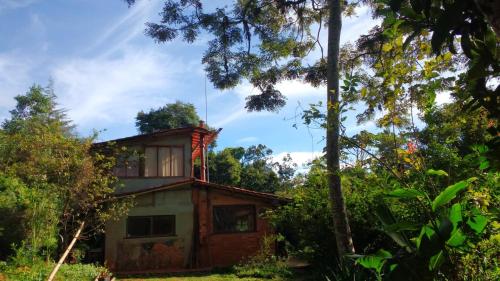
(415, 198)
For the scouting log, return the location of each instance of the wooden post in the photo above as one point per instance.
(202, 156)
(63, 257)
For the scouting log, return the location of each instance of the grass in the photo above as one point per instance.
(210, 277)
(227, 276)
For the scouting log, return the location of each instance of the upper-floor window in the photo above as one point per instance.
(164, 161)
(127, 166)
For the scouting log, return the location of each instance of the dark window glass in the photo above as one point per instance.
(164, 225)
(145, 226)
(240, 218)
(138, 226)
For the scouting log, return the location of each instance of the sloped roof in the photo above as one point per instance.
(196, 182)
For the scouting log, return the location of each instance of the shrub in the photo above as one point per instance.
(264, 264)
(40, 270)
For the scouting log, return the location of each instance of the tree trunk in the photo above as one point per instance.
(341, 225)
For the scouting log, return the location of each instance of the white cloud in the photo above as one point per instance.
(112, 90)
(15, 4)
(248, 140)
(14, 78)
(301, 158)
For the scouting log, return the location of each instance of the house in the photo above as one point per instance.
(180, 222)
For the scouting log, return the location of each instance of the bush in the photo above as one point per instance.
(264, 264)
(39, 270)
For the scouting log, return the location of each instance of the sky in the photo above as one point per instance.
(105, 70)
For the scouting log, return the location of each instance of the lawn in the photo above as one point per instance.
(209, 277)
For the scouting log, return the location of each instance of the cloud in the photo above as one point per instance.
(301, 158)
(15, 79)
(112, 90)
(127, 27)
(248, 140)
(15, 4)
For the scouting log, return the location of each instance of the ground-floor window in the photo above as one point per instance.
(234, 218)
(146, 226)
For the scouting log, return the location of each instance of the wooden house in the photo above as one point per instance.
(180, 222)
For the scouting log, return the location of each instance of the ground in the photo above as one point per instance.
(210, 277)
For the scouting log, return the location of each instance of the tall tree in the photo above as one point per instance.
(172, 115)
(266, 42)
(51, 179)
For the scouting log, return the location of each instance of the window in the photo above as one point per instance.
(163, 161)
(146, 226)
(127, 167)
(236, 218)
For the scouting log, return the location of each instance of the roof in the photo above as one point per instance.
(160, 133)
(196, 182)
(196, 133)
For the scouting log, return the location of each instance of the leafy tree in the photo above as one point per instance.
(250, 168)
(268, 42)
(469, 29)
(224, 167)
(51, 179)
(172, 115)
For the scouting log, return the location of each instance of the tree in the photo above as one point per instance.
(468, 29)
(268, 42)
(249, 168)
(51, 179)
(170, 116)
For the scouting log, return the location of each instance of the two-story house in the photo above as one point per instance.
(180, 222)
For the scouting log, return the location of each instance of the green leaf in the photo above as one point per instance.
(455, 214)
(484, 165)
(401, 226)
(437, 172)
(436, 261)
(450, 193)
(478, 223)
(457, 238)
(406, 193)
(375, 261)
(426, 231)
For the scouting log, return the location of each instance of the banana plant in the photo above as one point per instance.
(452, 225)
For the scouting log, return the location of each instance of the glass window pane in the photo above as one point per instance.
(234, 218)
(177, 161)
(133, 166)
(151, 162)
(164, 225)
(164, 161)
(138, 226)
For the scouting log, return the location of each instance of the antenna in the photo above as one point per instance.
(206, 122)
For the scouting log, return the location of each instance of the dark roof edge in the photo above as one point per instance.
(253, 193)
(261, 195)
(158, 133)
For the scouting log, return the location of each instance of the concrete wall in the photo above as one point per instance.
(157, 253)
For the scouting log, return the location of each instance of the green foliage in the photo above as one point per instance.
(264, 264)
(50, 180)
(444, 237)
(39, 270)
(250, 168)
(170, 116)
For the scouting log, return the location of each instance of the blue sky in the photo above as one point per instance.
(105, 70)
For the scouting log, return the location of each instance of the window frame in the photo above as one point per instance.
(235, 206)
(151, 227)
(123, 160)
(158, 164)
